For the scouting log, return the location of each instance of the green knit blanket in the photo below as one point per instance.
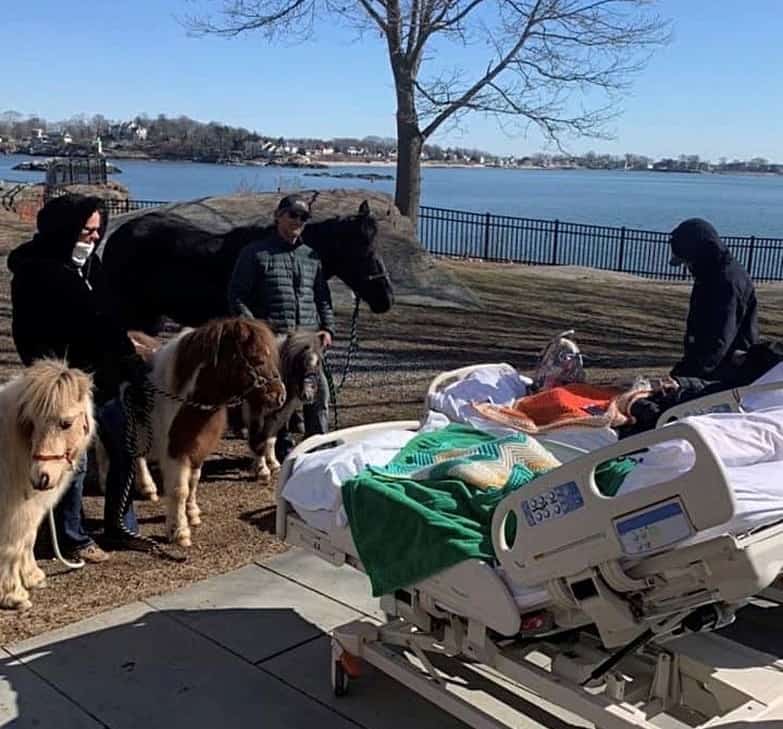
(431, 506)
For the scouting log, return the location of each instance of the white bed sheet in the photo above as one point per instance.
(313, 487)
(770, 399)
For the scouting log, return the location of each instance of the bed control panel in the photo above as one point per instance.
(552, 504)
(653, 528)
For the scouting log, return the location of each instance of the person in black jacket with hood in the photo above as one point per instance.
(61, 309)
(722, 314)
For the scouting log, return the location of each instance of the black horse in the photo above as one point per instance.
(158, 266)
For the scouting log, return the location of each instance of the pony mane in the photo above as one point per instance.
(229, 343)
(49, 388)
(295, 344)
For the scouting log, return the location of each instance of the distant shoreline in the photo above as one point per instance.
(431, 164)
(428, 164)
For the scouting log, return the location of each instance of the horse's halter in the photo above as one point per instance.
(54, 457)
(383, 273)
(259, 382)
(66, 456)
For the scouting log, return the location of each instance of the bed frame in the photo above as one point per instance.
(727, 401)
(630, 644)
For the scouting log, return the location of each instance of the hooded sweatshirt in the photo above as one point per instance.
(60, 309)
(723, 308)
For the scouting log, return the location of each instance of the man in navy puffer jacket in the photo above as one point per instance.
(280, 280)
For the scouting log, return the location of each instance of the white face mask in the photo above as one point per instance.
(81, 252)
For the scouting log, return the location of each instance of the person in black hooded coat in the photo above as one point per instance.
(60, 309)
(722, 317)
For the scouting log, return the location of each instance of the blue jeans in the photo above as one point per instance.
(68, 516)
(68, 513)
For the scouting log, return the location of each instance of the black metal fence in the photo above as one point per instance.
(462, 234)
(458, 233)
(118, 207)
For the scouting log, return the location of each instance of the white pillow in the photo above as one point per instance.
(498, 384)
(316, 477)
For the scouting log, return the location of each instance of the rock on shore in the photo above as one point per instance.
(415, 275)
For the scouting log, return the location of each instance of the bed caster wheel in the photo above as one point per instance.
(340, 679)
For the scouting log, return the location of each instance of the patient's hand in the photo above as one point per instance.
(664, 384)
(653, 384)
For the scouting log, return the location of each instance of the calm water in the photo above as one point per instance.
(735, 204)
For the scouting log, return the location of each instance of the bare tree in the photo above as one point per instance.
(542, 57)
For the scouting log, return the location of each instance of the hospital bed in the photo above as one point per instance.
(733, 400)
(603, 607)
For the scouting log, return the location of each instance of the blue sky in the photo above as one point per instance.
(714, 91)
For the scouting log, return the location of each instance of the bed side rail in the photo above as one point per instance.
(316, 442)
(728, 401)
(564, 525)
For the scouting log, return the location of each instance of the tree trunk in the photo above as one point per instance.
(407, 194)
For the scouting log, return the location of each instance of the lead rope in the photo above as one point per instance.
(137, 401)
(353, 345)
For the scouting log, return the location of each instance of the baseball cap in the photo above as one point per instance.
(294, 202)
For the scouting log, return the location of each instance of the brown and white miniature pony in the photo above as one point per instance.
(222, 362)
(301, 353)
(46, 424)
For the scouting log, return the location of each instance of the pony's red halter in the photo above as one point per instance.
(54, 457)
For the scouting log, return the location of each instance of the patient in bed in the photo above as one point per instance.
(559, 403)
(747, 368)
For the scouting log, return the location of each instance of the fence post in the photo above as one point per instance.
(750, 255)
(621, 252)
(487, 219)
(555, 236)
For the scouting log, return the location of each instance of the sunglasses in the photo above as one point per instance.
(90, 231)
(294, 215)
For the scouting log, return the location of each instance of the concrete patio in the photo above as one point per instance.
(246, 649)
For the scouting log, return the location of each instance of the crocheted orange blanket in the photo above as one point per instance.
(575, 404)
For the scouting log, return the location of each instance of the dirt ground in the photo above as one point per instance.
(624, 325)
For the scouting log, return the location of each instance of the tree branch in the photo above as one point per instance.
(491, 73)
(539, 57)
(375, 15)
(249, 15)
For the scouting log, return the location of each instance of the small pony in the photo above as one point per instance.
(196, 375)
(46, 425)
(301, 354)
